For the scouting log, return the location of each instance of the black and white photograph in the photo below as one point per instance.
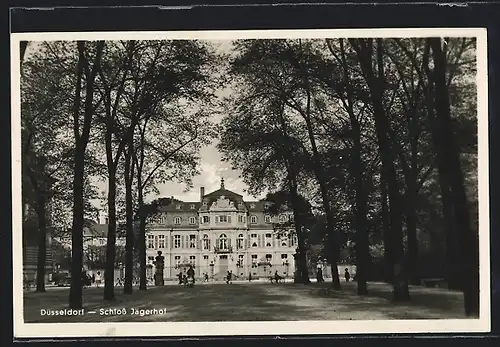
(250, 182)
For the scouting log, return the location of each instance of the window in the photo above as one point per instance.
(223, 241)
(206, 219)
(254, 260)
(177, 241)
(290, 217)
(178, 207)
(205, 257)
(177, 220)
(284, 256)
(163, 220)
(267, 219)
(267, 205)
(204, 204)
(253, 219)
(192, 220)
(151, 241)
(239, 242)
(254, 244)
(252, 206)
(102, 241)
(253, 236)
(177, 259)
(283, 244)
(240, 219)
(192, 207)
(192, 241)
(223, 219)
(282, 218)
(161, 241)
(268, 235)
(269, 257)
(151, 259)
(192, 259)
(268, 244)
(206, 242)
(240, 260)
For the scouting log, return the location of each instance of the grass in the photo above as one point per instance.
(253, 302)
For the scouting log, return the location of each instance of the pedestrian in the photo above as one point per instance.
(228, 277)
(347, 275)
(97, 279)
(250, 277)
(190, 273)
(180, 277)
(206, 277)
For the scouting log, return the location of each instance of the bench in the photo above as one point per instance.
(432, 282)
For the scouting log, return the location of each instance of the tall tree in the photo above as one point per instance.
(375, 80)
(81, 130)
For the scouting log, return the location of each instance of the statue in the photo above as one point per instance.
(160, 265)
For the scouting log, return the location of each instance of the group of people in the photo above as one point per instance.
(187, 278)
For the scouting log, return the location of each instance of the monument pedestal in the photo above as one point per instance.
(160, 265)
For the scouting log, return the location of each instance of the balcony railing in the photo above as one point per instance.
(219, 250)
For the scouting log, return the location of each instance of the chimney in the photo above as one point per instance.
(202, 193)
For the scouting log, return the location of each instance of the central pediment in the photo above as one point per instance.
(223, 204)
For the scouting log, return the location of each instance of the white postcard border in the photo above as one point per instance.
(142, 329)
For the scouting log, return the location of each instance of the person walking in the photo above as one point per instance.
(347, 275)
(98, 279)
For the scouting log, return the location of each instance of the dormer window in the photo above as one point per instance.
(179, 206)
(253, 219)
(205, 204)
(267, 219)
(282, 218)
(252, 206)
(192, 207)
(177, 220)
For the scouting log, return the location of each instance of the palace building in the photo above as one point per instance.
(219, 233)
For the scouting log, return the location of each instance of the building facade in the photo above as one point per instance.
(220, 233)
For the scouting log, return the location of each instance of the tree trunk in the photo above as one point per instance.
(301, 249)
(361, 236)
(467, 237)
(382, 127)
(42, 244)
(75, 292)
(142, 236)
(109, 273)
(411, 222)
(129, 246)
(386, 230)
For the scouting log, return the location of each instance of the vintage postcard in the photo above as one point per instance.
(269, 182)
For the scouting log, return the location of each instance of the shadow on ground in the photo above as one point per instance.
(252, 302)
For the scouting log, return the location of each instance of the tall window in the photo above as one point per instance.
(192, 220)
(239, 242)
(206, 242)
(192, 241)
(267, 219)
(163, 220)
(269, 257)
(177, 220)
(240, 219)
(223, 241)
(151, 260)
(206, 219)
(253, 219)
(177, 259)
(177, 241)
(284, 256)
(161, 241)
(151, 241)
(192, 259)
(282, 218)
(290, 217)
(254, 260)
(222, 219)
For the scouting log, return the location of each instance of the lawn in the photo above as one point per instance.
(251, 302)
